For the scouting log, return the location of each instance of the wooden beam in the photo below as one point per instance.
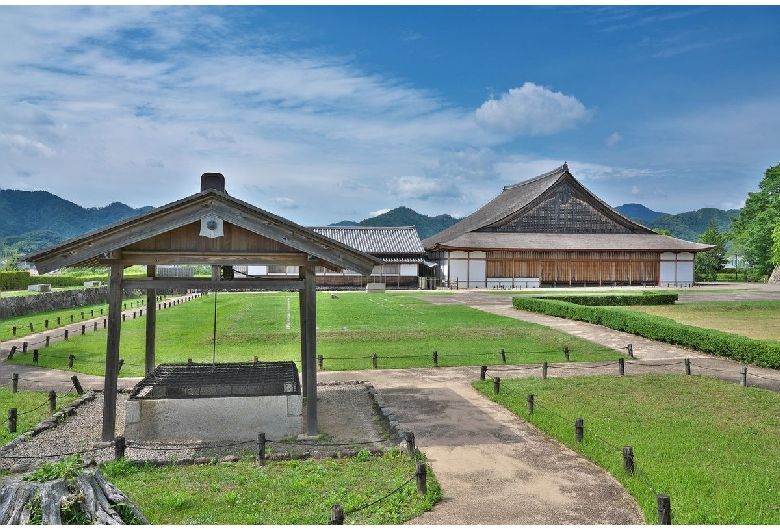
(194, 257)
(302, 317)
(311, 352)
(112, 352)
(151, 322)
(206, 283)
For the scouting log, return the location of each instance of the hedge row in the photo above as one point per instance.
(743, 349)
(613, 299)
(20, 280)
(14, 280)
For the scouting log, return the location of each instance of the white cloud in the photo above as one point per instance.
(414, 187)
(379, 212)
(286, 202)
(533, 110)
(613, 139)
(634, 190)
(26, 146)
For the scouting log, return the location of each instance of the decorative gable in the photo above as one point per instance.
(565, 208)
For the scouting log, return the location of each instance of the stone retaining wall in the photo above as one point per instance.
(16, 306)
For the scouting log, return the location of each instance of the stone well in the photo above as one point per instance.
(216, 402)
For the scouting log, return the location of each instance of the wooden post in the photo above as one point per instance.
(35, 355)
(503, 356)
(48, 340)
(58, 321)
(11, 353)
(579, 429)
(630, 349)
(31, 327)
(66, 334)
(664, 509)
(482, 372)
(13, 330)
(687, 367)
(311, 349)
(112, 352)
(410, 447)
(94, 326)
(151, 323)
(119, 366)
(319, 361)
(621, 366)
(24, 347)
(544, 370)
(261, 448)
(302, 318)
(46, 323)
(744, 376)
(119, 448)
(435, 359)
(422, 476)
(373, 360)
(71, 319)
(14, 383)
(77, 385)
(189, 361)
(496, 385)
(52, 401)
(11, 420)
(530, 401)
(566, 353)
(83, 329)
(628, 459)
(71, 358)
(336, 514)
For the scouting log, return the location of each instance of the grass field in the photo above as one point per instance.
(708, 444)
(401, 329)
(754, 319)
(31, 409)
(279, 493)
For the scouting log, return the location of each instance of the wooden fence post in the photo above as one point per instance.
(687, 367)
(71, 358)
(336, 514)
(630, 349)
(261, 448)
(410, 448)
(46, 323)
(14, 383)
(31, 327)
(544, 370)
(482, 372)
(52, 401)
(579, 429)
(422, 476)
(621, 366)
(435, 359)
(566, 353)
(628, 459)
(373, 360)
(77, 385)
(35, 355)
(119, 448)
(496, 385)
(11, 420)
(744, 376)
(24, 347)
(66, 334)
(319, 361)
(503, 356)
(530, 401)
(83, 329)
(664, 509)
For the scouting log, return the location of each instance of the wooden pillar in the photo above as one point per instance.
(302, 318)
(151, 321)
(112, 351)
(311, 350)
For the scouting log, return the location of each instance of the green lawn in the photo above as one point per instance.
(31, 409)
(708, 444)
(279, 493)
(401, 329)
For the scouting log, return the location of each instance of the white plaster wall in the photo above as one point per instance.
(215, 419)
(408, 269)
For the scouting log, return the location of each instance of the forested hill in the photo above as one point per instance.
(686, 225)
(403, 216)
(34, 219)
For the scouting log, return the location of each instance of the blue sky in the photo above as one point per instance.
(321, 114)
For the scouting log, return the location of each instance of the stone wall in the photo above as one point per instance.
(16, 306)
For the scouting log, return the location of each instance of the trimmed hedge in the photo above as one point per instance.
(617, 299)
(14, 280)
(743, 349)
(20, 280)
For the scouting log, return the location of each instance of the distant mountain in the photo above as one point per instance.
(30, 220)
(690, 225)
(639, 213)
(403, 216)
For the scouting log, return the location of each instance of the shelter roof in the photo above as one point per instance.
(177, 233)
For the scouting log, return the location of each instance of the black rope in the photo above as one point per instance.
(369, 504)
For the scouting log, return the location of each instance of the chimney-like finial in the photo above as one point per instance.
(212, 181)
(565, 166)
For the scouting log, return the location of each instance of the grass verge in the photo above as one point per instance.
(281, 492)
(31, 409)
(708, 444)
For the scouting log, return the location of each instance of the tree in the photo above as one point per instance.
(776, 244)
(755, 224)
(709, 263)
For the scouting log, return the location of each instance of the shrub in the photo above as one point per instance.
(613, 300)
(743, 349)
(14, 280)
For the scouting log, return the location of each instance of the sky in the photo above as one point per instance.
(321, 113)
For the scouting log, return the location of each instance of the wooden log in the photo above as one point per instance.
(336, 514)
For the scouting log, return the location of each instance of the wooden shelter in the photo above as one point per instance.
(210, 228)
(551, 230)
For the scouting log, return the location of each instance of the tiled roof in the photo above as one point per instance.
(375, 240)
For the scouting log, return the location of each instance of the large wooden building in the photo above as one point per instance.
(552, 231)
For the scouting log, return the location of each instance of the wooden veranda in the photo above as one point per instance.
(208, 228)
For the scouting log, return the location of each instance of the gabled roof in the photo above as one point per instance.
(552, 211)
(376, 240)
(272, 236)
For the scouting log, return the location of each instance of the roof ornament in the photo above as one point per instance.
(211, 225)
(565, 166)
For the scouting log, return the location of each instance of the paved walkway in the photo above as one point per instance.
(493, 467)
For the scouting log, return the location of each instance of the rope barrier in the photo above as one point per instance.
(369, 504)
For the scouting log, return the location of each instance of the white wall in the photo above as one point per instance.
(677, 269)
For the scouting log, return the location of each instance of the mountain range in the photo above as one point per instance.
(30, 220)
